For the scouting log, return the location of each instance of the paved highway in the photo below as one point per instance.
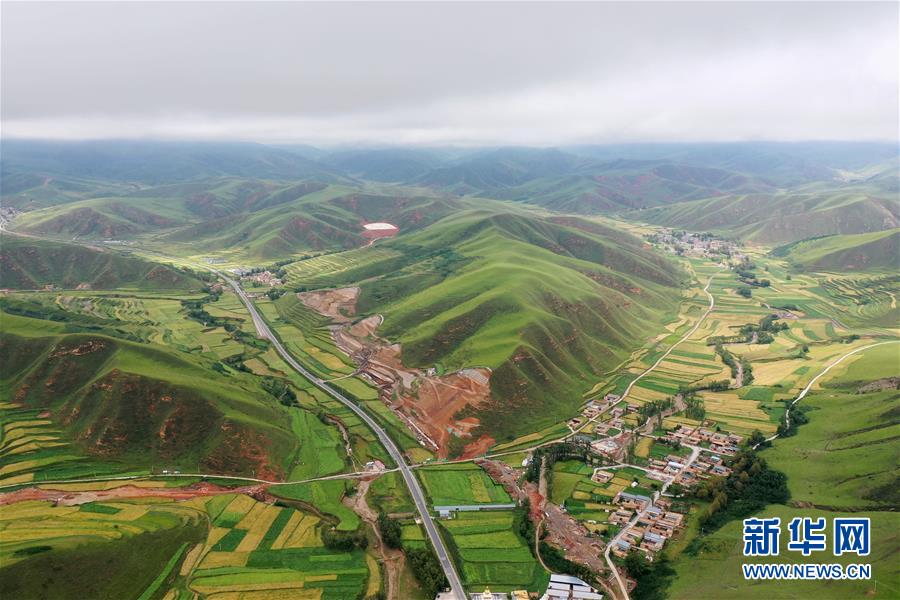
(412, 483)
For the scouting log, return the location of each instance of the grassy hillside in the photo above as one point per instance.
(550, 304)
(782, 218)
(139, 405)
(865, 251)
(255, 219)
(630, 184)
(842, 463)
(27, 263)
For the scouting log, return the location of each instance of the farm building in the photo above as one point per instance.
(565, 587)
(446, 511)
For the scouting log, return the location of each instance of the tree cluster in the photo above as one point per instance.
(751, 486)
(427, 570)
(652, 577)
(345, 541)
(391, 533)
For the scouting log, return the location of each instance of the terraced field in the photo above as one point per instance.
(491, 554)
(260, 550)
(134, 544)
(328, 270)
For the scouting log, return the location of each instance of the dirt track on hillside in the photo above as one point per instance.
(74, 498)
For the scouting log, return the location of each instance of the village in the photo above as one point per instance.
(696, 245)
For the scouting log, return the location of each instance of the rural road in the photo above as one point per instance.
(412, 483)
(152, 476)
(262, 329)
(812, 382)
(623, 589)
(709, 309)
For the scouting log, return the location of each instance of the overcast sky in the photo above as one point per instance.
(464, 73)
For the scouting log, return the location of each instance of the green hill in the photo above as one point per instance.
(549, 303)
(783, 217)
(142, 404)
(27, 263)
(259, 219)
(860, 252)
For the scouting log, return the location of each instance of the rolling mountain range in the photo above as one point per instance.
(750, 190)
(27, 263)
(773, 219)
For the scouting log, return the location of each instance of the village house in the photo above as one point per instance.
(620, 517)
(653, 542)
(601, 476)
(632, 501)
(621, 548)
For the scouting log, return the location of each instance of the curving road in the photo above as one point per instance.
(709, 309)
(415, 490)
(412, 483)
(812, 382)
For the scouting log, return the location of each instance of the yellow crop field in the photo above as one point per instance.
(730, 404)
(643, 448)
(40, 523)
(777, 372)
(225, 559)
(304, 534)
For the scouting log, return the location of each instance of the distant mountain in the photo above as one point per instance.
(628, 183)
(260, 219)
(778, 163)
(31, 264)
(497, 169)
(851, 253)
(783, 217)
(385, 164)
(149, 162)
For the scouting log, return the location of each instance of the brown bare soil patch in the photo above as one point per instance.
(427, 402)
(563, 531)
(339, 304)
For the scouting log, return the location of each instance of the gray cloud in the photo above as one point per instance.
(462, 73)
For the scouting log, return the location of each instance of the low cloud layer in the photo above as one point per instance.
(461, 73)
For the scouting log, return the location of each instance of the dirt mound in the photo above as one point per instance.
(339, 304)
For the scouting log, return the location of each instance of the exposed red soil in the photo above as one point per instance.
(563, 531)
(74, 498)
(428, 403)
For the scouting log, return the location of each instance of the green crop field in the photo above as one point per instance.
(490, 554)
(461, 484)
(135, 541)
(256, 548)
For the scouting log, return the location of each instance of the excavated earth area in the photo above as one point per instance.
(339, 305)
(427, 402)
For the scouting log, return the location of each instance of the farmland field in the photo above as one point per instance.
(491, 554)
(461, 484)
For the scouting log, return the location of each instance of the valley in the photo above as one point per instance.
(238, 373)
